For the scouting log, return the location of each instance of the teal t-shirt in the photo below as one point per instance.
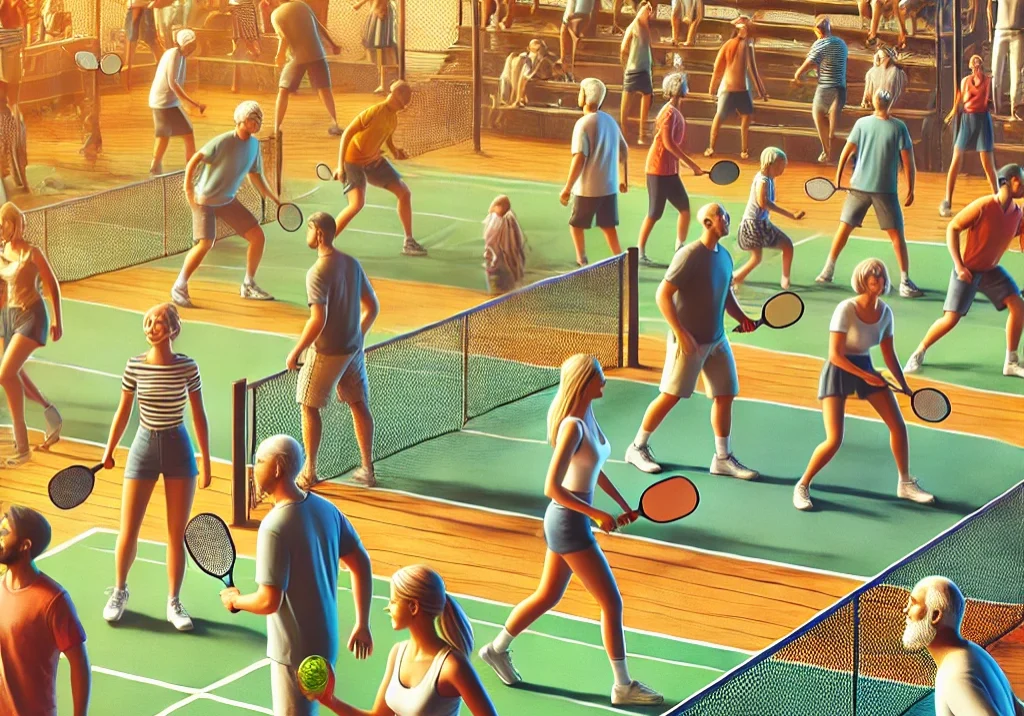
(879, 143)
(227, 160)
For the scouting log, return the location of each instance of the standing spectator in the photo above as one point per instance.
(39, 624)
(140, 24)
(13, 16)
(887, 74)
(617, 12)
(829, 53)
(635, 57)
(976, 133)
(578, 14)
(598, 149)
(1007, 45)
(691, 12)
(380, 37)
(876, 10)
(736, 67)
(165, 98)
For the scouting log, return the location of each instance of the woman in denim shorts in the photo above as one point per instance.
(164, 382)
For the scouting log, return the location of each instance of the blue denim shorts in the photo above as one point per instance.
(161, 452)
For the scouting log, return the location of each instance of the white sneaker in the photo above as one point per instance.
(642, 458)
(54, 423)
(945, 209)
(731, 467)
(1013, 370)
(802, 497)
(116, 604)
(825, 276)
(914, 362)
(411, 247)
(364, 477)
(254, 293)
(180, 297)
(910, 490)
(17, 459)
(177, 615)
(908, 289)
(501, 662)
(635, 693)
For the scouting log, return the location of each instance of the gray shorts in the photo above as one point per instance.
(171, 122)
(284, 691)
(827, 97)
(161, 452)
(379, 173)
(32, 322)
(234, 214)
(759, 235)
(293, 72)
(585, 209)
(887, 209)
(742, 102)
(997, 284)
(320, 375)
(567, 531)
(834, 382)
(679, 376)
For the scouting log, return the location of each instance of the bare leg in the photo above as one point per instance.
(721, 415)
(938, 330)
(591, 567)
(657, 411)
(404, 195)
(16, 355)
(31, 391)
(1014, 321)
(955, 164)
(190, 146)
(327, 97)
(312, 431)
(677, 28)
(611, 235)
(899, 245)
(745, 120)
(280, 108)
(691, 34)
(553, 581)
(833, 410)
(159, 149)
(579, 242)
(822, 126)
(988, 165)
(884, 403)
(135, 496)
(195, 257)
(741, 275)
(624, 107)
(839, 242)
(716, 124)
(682, 228)
(356, 202)
(645, 233)
(645, 108)
(786, 247)
(179, 494)
(362, 420)
(254, 253)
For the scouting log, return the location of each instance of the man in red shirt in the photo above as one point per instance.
(991, 222)
(39, 624)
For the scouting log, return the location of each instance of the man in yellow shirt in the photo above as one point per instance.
(360, 162)
(302, 36)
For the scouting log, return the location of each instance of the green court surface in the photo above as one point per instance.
(142, 666)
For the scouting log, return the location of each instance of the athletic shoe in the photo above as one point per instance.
(802, 497)
(644, 261)
(54, 423)
(501, 662)
(1013, 370)
(116, 604)
(908, 289)
(825, 276)
(411, 247)
(731, 467)
(364, 477)
(642, 458)
(635, 693)
(335, 131)
(19, 458)
(910, 490)
(180, 297)
(784, 283)
(914, 363)
(254, 293)
(945, 210)
(177, 615)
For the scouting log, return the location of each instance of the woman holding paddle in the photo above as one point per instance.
(164, 382)
(581, 449)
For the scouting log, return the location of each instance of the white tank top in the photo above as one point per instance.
(422, 699)
(589, 458)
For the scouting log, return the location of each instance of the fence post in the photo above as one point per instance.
(163, 197)
(239, 478)
(633, 307)
(478, 74)
(401, 38)
(465, 369)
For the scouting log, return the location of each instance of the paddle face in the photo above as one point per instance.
(669, 500)
(782, 310)
(72, 486)
(819, 189)
(210, 545)
(324, 172)
(289, 216)
(110, 64)
(86, 60)
(724, 172)
(931, 405)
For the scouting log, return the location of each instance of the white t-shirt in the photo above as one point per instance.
(597, 137)
(171, 67)
(861, 337)
(970, 683)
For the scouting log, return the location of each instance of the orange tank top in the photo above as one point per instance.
(975, 97)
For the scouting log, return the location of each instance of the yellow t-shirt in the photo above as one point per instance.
(377, 124)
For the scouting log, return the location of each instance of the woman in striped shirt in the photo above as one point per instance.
(164, 381)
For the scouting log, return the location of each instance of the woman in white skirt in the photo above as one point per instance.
(381, 36)
(165, 99)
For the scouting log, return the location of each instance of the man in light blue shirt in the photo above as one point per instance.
(882, 144)
(222, 165)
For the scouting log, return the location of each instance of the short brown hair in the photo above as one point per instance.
(325, 223)
(30, 525)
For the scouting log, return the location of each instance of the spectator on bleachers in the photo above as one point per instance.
(13, 15)
(578, 15)
(736, 67)
(876, 10)
(886, 74)
(829, 53)
(140, 24)
(617, 11)
(691, 12)
(1007, 44)
(636, 59)
(492, 8)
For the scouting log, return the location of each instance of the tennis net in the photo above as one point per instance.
(432, 381)
(849, 659)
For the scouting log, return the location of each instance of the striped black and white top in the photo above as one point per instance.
(830, 54)
(162, 390)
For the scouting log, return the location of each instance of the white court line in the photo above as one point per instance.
(137, 559)
(205, 693)
(427, 213)
(812, 237)
(77, 368)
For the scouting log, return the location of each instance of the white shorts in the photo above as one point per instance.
(679, 376)
(284, 690)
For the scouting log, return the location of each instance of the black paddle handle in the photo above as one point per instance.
(230, 584)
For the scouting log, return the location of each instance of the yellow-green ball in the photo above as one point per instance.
(313, 674)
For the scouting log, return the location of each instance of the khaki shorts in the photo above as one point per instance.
(285, 693)
(679, 377)
(321, 374)
(10, 65)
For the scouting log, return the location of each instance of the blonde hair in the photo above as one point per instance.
(170, 314)
(577, 371)
(421, 584)
(769, 156)
(11, 214)
(865, 270)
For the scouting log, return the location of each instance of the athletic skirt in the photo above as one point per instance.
(244, 26)
(380, 31)
(835, 382)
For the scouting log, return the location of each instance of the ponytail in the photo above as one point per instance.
(423, 585)
(454, 627)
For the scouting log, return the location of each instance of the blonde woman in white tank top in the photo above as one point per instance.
(576, 469)
(429, 674)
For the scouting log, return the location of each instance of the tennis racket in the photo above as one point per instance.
(324, 172)
(86, 61)
(724, 172)
(209, 543)
(929, 404)
(111, 63)
(780, 311)
(821, 189)
(669, 500)
(72, 486)
(289, 216)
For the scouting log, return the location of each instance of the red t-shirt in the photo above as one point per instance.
(989, 233)
(670, 124)
(37, 625)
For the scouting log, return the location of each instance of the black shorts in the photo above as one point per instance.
(639, 81)
(585, 208)
(661, 189)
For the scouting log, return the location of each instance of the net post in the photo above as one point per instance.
(478, 82)
(465, 369)
(239, 480)
(633, 307)
(278, 162)
(856, 652)
(401, 39)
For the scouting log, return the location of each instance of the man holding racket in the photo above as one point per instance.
(693, 298)
(222, 166)
(360, 162)
(992, 223)
(342, 308)
(39, 624)
(299, 545)
(882, 144)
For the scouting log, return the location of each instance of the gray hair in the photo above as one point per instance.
(185, 37)
(865, 270)
(884, 98)
(247, 109)
(944, 596)
(594, 91)
(675, 85)
(285, 450)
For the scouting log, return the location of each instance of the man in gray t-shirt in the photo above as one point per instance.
(693, 298)
(342, 308)
(298, 548)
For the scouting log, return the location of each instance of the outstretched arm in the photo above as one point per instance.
(81, 678)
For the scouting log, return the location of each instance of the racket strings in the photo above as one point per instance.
(290, 217)
(209, 543)
(70, 488)
(931, 405)
(819, 188)
(783, 310)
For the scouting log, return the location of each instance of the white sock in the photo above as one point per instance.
(830, 267)
(642, 437)
(905, 477)
(621, 672)
(1011, 357)
(502, 641)
(904, 276)
(248, 281)
(723, 446)
(181, 281)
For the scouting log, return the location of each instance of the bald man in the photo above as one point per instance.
(968, 681)
(693, 298)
